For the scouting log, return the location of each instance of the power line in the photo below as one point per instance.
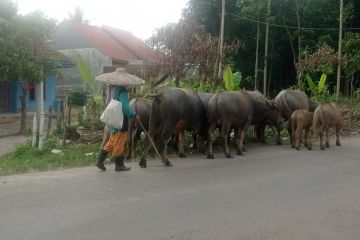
(293, 27)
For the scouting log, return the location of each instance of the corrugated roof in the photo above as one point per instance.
(103, 41)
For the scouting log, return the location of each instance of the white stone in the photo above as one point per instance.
(56, 151)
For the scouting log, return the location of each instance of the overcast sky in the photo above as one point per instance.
(141, 17)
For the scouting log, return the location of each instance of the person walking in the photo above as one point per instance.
(118, 137)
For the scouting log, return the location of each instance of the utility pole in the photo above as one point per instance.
(338, 77)
(266, 49)
(257, 55)
(221, 45)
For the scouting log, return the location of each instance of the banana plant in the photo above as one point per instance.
(96, 101)
(320, 90)
(232, 81)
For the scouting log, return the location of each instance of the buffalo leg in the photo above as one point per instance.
(135, 139)
(338, 136)
(327, 142)
(242, 134)
(239, 148)
(277, 132)
(142, 162)
(308, 138)
(297, 137)
(143, 158)
(278, 140)
(321, 135)
(182, 143)
(129, 144)
(260, 132)
(210, 153)
(290, 132)
(241, 140)
(164, 139)
(225, 129)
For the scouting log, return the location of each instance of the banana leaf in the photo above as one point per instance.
(228, 79)
(322, 82)
(85, 71)
(311, 84)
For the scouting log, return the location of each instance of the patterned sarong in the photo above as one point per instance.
(116, 143)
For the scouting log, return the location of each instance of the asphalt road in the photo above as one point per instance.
(273, 192)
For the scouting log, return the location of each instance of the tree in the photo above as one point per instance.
(8, 9)
(78, 15)
(21, 38)
(187, 44)
(303, 24)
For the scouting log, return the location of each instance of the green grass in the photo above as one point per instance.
(28, 159)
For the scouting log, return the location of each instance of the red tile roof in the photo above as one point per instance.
(104, 42)
(118, 44)
(132, 43)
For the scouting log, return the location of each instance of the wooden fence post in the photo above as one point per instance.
(49, 122)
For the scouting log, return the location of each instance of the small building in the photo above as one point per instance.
(10, 92)
(103, 48)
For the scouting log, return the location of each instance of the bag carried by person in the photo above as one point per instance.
(113, 115)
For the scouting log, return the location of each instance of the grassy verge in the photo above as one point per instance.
(28, 159)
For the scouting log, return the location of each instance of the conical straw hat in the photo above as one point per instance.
(120, 78)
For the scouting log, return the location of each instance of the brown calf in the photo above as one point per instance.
(301, 119)
(326, 116)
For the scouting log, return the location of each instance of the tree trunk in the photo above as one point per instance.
(298, 25)
(257, 56)
(291, 43)
(177, 81)
(23, 109)
(338, 77)
(266, 49)
(221, 38)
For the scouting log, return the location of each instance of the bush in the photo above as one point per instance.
(77, 97)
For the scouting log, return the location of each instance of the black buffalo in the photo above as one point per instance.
(174, 110)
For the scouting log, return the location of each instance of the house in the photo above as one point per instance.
(10, 92)
(103, 48)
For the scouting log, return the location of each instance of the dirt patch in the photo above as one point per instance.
(351, 123)
(9, 144)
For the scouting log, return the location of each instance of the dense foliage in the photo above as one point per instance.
(298, 29)
(22, 44)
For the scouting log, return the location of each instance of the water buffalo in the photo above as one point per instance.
(142, 107)
(327, 115)
(236, 110)
(301, 119)
(272, 118)
(201, 146)
(205, 98)
(290, 100)
(173, 111)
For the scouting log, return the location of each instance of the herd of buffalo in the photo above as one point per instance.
(174, 110)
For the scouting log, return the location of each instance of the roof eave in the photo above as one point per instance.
(121, 61)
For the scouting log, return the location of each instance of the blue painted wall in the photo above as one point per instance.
(13, 96)
(33, 105)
